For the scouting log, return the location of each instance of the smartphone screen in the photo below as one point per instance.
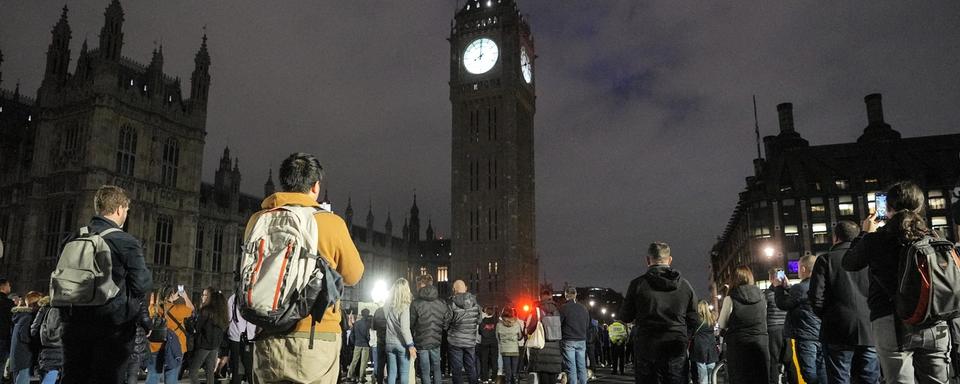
(180, 288)
(881, 204)
(781, 275)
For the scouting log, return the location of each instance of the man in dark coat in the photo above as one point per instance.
(427, 315)
(360, 333)
(546, 362)
(663, 307)
(802, 328)
(97, 341)
(839, 298)
(463, 322)
(776, 317)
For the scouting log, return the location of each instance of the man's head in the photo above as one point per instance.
(488, 310)
(570, 294)
(806, 266)
(659, 254)
(365, 312)
(424, 280)
(772, 273)
(112, 203)
(172, 294)
(301, 173)
(546, 295)
(5, 286)
(459, 287)
(845, 231)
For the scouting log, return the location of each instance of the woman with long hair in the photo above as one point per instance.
(907, 354)
(703, 348)
(743, 319)
(399, 345)
(211, 325)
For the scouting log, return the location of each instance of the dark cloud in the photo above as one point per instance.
(644, 116)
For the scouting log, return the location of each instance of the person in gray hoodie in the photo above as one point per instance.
(400, 347)
(427, 315)
(462, 324)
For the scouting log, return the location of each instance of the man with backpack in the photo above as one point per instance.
(98, 339)
(293, 228)
(663, 307)
(839, 298)
(908, 352)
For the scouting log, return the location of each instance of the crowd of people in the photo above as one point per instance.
(837, 323)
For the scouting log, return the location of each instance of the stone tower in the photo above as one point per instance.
(493, 97)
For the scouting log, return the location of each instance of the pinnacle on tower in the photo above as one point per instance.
(200, 79)
(58, 53)
(111, 35)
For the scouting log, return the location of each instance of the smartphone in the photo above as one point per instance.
(780, 274)
(180, 288)
(881, 203)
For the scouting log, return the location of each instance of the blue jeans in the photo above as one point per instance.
(50, 377)
(705, 373)
(429, 360)
(22, 376)
(398, 365)
(809, 362)
(842, 360)
(463, 359)
(510, 372)
(575, 360)
(170, 374)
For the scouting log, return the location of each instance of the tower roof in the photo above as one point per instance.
(414, 210)
(63, 26)
(203, 56)
(113, 10)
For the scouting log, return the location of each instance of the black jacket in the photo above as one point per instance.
(703, 347)
(464, 318)
(361, 332)
(129, 272)
(550, 358)
(663, 306)
(488, 330)
(380, 326)
(209, 333)
(802, 323)
(881, 252)
(748, 320)
(839, 298)
(574, 321)
(6, 317)
(776, 317)
(22, 347)
(427, 315)
(51, 343)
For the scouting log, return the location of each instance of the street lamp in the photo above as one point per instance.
(592, 303)
(613, 315)
(603, 311)
(769, 251)
(379, 292)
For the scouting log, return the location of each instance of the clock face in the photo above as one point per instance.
(480, 56)
(525, 66)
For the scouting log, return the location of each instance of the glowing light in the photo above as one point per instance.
(603, 311)
(379, 292)
(592, 303)
(769, 251)
(526, 307)
(719, 297)
(710, 306)
(613, 315)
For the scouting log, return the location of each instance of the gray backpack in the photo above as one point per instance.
(84, 272)
(281, 276)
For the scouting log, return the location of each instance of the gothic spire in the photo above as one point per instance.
(111, 35)
(200, 79)
(269, 188)
(58, 53)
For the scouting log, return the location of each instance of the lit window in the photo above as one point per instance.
(938, 221)
(171, 160)
(423, 271)
(842, 184)
(939, 224)
(790, 230)
(442, 274)
(163, 243)
(144, 88)
(131, 82)
(126, 151)
(845, 205)
(820, 235)
(936, 200)
(29, 117)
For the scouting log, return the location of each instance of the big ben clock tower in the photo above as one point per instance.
(492, 92)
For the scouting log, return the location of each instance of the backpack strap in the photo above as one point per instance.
(108, 231)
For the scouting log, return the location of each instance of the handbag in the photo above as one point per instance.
(158, 330)
(537, 340)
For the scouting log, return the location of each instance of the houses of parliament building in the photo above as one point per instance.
(114, 120)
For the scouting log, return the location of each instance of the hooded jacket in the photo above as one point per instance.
(748, 316)
(427, 314)
(508, 336)
(333, 242)
(464, 320)
(802, 323)
(21, 347)
(48, 328)
(129, 272)
(663, 306)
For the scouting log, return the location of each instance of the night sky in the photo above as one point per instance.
(644, 124)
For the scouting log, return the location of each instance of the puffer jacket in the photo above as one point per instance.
(776, 317)
(508, 336)
(22, 347)
(802, 323)
(464, 319)
(427, 314)
(48, 328)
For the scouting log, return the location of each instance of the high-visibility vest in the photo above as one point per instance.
(618, 333)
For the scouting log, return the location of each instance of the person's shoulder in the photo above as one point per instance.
(327, 219)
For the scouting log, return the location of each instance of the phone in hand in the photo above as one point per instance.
(180, 288)
(880, 201)
(780, 274)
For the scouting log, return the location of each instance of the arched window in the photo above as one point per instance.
(163, 242)
(171, 160)
(126, 151)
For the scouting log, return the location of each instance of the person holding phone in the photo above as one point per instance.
(176, 308)
(802, 329)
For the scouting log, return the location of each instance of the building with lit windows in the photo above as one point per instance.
(799, 192)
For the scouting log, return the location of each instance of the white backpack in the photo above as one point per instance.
(281, 276)
(84, 272)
